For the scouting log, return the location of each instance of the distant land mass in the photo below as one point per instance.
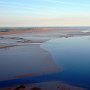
(6, 29)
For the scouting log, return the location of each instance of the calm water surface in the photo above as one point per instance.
(71, 54)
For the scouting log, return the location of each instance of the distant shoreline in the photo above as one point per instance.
(19, 30)
(50, 32)
(38, 35)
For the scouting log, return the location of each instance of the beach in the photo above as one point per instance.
(20, 36)
(31, 40)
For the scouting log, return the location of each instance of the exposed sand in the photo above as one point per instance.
(36, 37)
(5, 46)
(64, 30)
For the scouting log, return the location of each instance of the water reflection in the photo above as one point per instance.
(73, 55)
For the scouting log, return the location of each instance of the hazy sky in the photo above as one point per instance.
(44, 12)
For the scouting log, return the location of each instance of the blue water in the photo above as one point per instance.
(71, 54)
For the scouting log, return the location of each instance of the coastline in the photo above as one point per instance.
(38, 35)
(36, 42)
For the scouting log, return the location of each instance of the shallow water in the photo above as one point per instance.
(73, 55)
(22, 62)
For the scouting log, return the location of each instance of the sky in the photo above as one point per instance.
(44, 13)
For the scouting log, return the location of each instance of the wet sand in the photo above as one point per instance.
(34, 61)
(39, 35)
(44, 58)
(5, 46)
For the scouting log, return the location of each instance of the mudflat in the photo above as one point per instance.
(39, 61)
